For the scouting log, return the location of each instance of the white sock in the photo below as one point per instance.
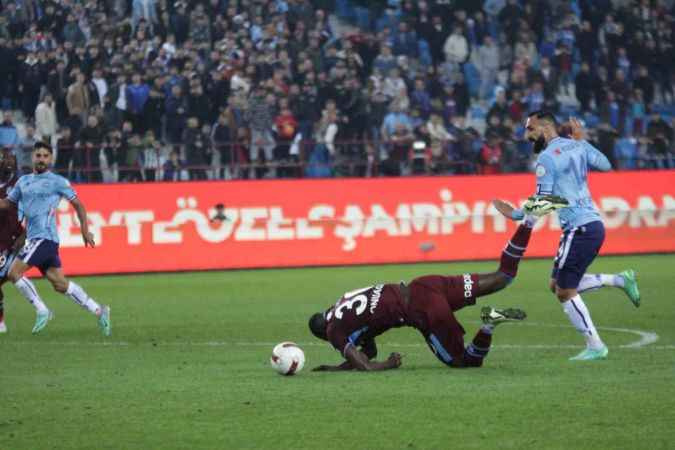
(29, 292)
(591, 282)
(487, 328)
(77, 294)
(529, 220)
(576, 310)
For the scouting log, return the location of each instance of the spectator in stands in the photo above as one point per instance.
(173, 167)
(487, 61)
(9, 137)
(585, 84)
(65, 147)
(31, 74)
(132, 164)
(660, 140)
(24, 150)
(137, 94)
(196, 148)
(78, 102)
(397, 116)
(259, 115)
(491, 155)
(176, 114)
(626, 153)
(45, 118)
(90, 141)
(221, 137)
(456, 48)
(151, 156)
(286, 127)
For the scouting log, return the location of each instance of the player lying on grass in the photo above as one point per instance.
(428, 304)
(562, 171)
(37, 195)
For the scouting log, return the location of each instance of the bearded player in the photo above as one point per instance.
(37, 195)
(428, 304)
(562, 168)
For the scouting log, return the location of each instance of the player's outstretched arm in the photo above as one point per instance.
(87, 237)
(507, 210)
(360, 361)
(326, 368)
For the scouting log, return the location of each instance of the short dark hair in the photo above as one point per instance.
(317, 325)
(41, 144)
(544, 115)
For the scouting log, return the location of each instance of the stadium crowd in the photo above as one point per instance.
(131, 90)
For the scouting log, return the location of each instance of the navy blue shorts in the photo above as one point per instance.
(40, 253)
(578, 248)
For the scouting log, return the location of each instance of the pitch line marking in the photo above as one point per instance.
(646, 338)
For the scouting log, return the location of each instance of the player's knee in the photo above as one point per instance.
(60, 286)
(503, 280)
(13, 276)
(564, 294)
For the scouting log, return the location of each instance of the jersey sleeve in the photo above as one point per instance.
(596, 159)
(14, 194)
(66, 190)
(338, 340)
(545, 171)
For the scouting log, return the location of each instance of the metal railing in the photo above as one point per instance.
(178, 162)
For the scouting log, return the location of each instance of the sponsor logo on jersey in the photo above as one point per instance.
(375, 299)
(468, 286)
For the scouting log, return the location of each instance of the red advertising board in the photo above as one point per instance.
(278, 223)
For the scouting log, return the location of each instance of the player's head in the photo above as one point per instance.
(541, 127)
(42, 157)
(7, 164)
(317, 325)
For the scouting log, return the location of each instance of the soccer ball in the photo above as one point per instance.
(287, 358)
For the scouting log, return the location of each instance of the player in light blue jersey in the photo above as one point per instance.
(38, 194)
(561, 169)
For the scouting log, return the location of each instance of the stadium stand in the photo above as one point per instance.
(143, 90)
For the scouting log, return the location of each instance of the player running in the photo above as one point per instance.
(428, 304)
(38, 195)
(561, 169)
(11, 231)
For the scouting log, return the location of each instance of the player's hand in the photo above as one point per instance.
(578, 132)
(394, 360)
(506, 209)
(88, 239)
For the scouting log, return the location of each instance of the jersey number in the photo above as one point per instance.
(354, 299)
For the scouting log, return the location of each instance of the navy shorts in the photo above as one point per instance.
(578, 248)
(6, 260)
(40, 253)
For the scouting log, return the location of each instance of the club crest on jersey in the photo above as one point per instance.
(468, 286)
(541, 170)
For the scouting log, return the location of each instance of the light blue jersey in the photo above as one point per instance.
(562, 170)
(38, 195)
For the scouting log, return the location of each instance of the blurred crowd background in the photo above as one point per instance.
(145, 90)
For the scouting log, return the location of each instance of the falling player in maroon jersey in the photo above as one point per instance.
(11, 232)
(428, 304)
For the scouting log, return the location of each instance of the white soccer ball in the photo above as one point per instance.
(287, 358)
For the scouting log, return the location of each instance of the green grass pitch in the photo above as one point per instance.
(187, 367)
